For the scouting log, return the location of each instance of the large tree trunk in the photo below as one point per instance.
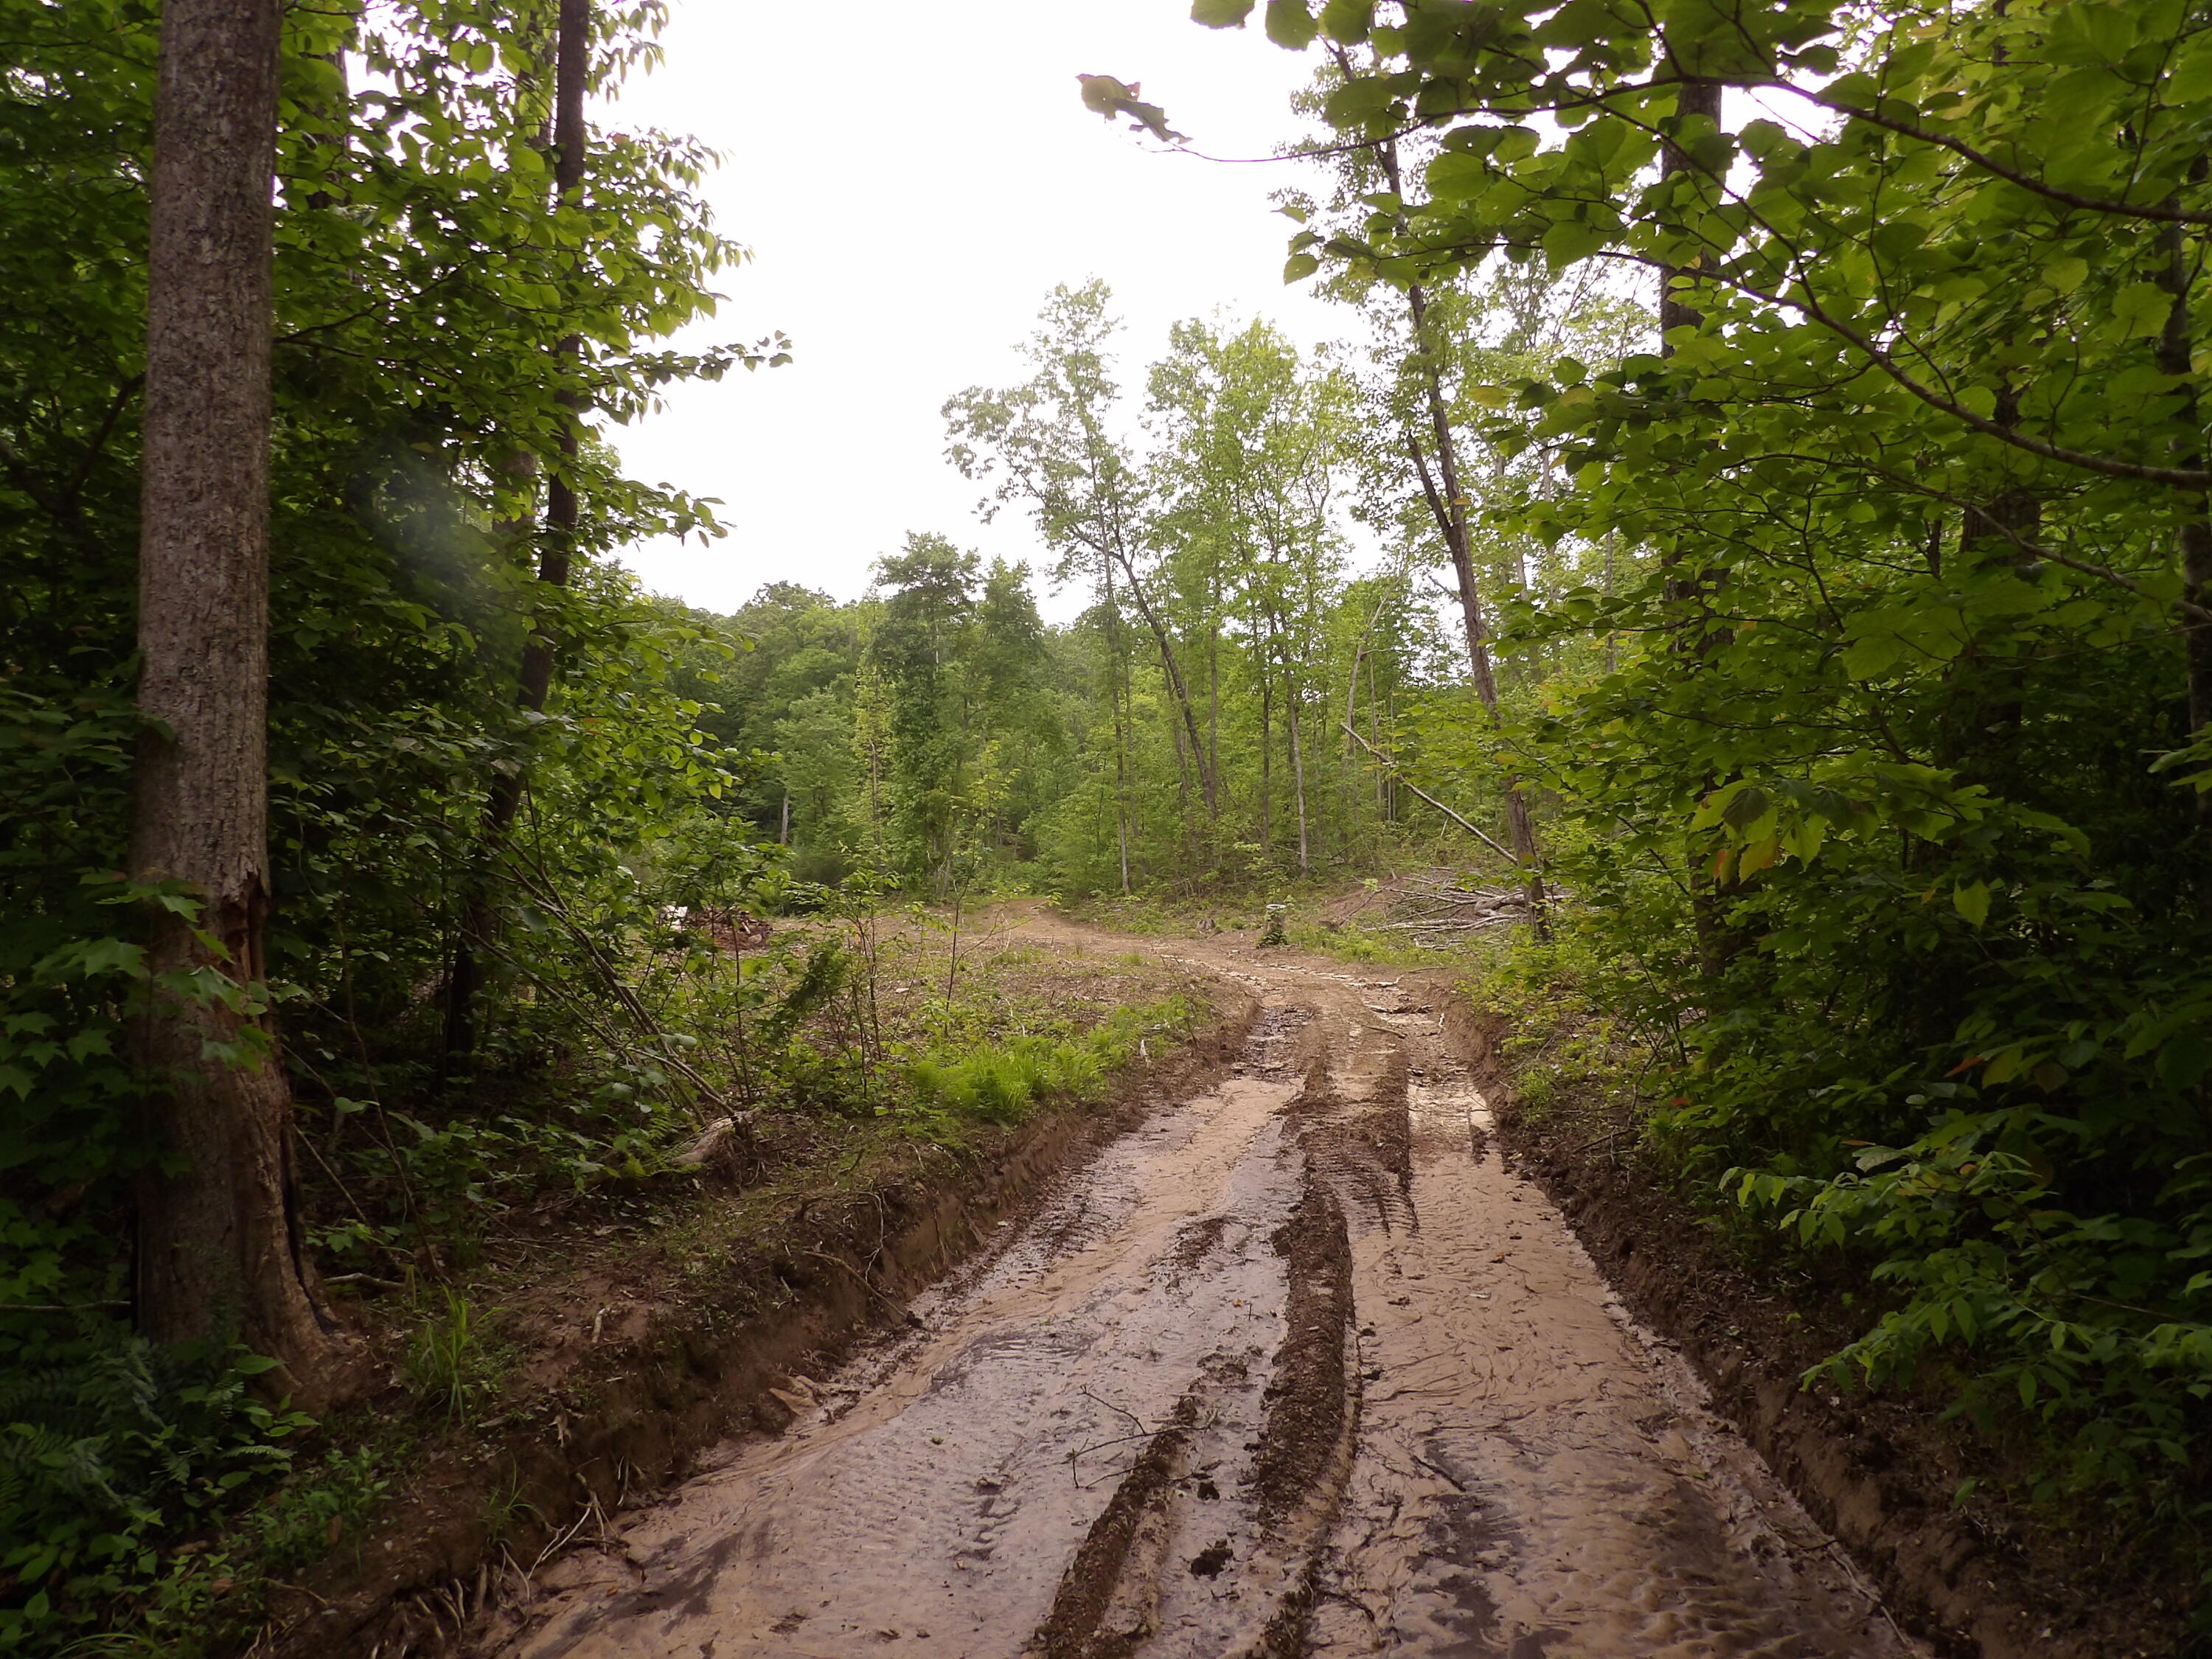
(218, 1250)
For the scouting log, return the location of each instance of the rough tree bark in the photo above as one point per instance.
(218, 1250)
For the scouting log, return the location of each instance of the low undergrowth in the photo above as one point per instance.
(1000, 1084)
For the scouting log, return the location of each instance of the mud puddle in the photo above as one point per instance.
(1297, 1367)
(1536, 1477)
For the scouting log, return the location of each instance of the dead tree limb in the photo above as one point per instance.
(1426, 796)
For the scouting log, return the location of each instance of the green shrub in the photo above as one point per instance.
(112, 1450)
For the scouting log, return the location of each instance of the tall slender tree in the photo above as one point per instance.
(1049, 442)
(218, 1254)
(557, 549)
(1444, 486)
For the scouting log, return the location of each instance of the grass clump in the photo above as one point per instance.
(1003, 1083)
(452, 1364)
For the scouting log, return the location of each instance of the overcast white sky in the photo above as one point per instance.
(912, 180)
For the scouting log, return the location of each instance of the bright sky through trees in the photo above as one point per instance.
(909, 209)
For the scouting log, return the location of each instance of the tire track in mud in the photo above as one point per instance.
(1036, 1468)
(1535, 1477)
(1099, 1612)
(1118, 1600)
(1297, 1367)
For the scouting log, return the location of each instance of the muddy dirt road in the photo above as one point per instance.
(1296, 1368)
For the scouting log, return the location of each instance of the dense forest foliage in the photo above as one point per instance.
(1765, 495)
(1189, 732)
(499, 774)
(1887, 815)
(438, 315)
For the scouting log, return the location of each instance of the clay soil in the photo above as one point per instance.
(641, 1328)
(1982, 1578)
(1296, 1366)
(1307, 1343)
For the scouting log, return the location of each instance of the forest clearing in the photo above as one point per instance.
(1502, 951)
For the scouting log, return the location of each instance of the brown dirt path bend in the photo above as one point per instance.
(1297, 1367)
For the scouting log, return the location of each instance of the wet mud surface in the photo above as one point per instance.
(1296, 1367)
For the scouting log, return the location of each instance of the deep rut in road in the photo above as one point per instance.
(1297, 1367)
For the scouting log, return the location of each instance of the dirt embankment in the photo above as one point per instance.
(619, 1408)
(1880, 1474)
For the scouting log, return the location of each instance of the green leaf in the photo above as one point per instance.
(1364, 101)
(1745, 807)
(1291, 24)
(1971, 900)
(2190, 81)
(109, 955)
(2065, 275)
(1221, 13)
(1570, 241)
(2182, 1061)
(2141, 309)
(1347, 22)
(1299, 266)
(1457, 176)
(1872, 657)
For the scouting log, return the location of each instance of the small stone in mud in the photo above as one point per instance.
(1209, 1561)
(1208, 1491)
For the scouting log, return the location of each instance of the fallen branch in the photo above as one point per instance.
(1353, 732)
